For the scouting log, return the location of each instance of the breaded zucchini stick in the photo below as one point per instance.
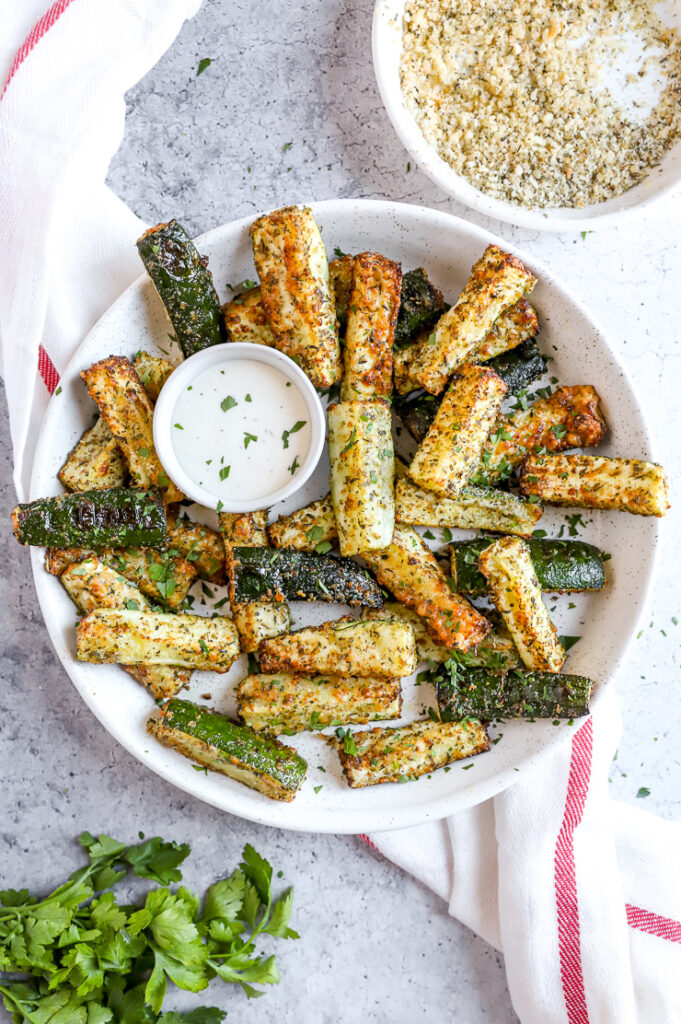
(153, 372)
(92, 584)
(290, 703)
(570, 418)
(129, 637)
(498, 280)
(200, 545)
(95, 463)
(127, 409)
(593, 481)
(362, 470)
(407, 751)
(511, 328)
(246, 320)
(451, 450)
(370, 332)
(475, 508)
(516, 594)
(306, 528)
(296, 291)
(409, 570)
(256, 620)
(384, 650)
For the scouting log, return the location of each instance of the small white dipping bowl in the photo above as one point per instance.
(219, 355)
(387, 53)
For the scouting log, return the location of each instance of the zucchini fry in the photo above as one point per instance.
(296, 292)
(128, 637)
(370, 331)
(291, 703)
(451, 450)
(383, 650)
(259, 574)
(92, 584)
(96, 519)
(407, 751)
(410, 571)
(246, 320)
(127, 409)
(362, 471)
(421, 306)
(256, 620)
(476, 508)
(498, 280)
(592, 481)
(153, 372)
(184, 285)
(562, 566)
(570, 418)
(340, 272)
(464, 692)
(515, 592)
(200, 545)
(306, 528)
(95, 463)
(233, 750)
(497, 651)
(515, 325)
(161, 576)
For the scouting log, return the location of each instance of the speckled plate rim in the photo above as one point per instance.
(252, 806)
(386, 38)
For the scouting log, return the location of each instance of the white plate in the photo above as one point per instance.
(387, 52)
(447, 247)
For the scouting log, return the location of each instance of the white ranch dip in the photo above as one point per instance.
(241, 430)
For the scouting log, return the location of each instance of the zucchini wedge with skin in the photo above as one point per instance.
(200, 545)
(516, 594)
(282, 574)
(127, 409)
(356, 647)
(421, 306)
(362, 470)
(233, 750)
(257, 620)
(162, 576)
(115, 517)
(306, 528)
(475, 508)
(464, 692)
(92, 584)
(411, 572)
(296, 291)
(517, 368)
(593, 481)
(153, 372)
(451, 450)
(290, 703)
(569, 418)
(407, 751)
(496, 651)
(128, 637)
(562, 566)
(498, 280)
(184, 285)
(95, 463)
(370, 329)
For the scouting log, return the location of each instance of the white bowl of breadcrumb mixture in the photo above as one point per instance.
(549, 114)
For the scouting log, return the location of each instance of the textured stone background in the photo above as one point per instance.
(375, 945)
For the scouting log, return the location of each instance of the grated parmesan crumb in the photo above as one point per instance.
(547, 103)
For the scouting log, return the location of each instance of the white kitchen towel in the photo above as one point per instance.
(581, 894)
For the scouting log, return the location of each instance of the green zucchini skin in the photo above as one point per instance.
(284, 574)
(421, 306)
(274, 769)
(561, 565)
(517, 368)
(478, 693)
(119, 517)
(185, 286)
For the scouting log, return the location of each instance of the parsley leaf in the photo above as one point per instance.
(294, 430)
(204, 63)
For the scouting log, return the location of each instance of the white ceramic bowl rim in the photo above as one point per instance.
(387, 49)
(217, 355)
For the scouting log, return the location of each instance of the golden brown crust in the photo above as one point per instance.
(592, 481)
(515, 325)
(95, 462)
(373, 306)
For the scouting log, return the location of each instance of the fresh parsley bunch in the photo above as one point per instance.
(93, 961)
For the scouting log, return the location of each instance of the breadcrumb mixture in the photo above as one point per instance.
(540, 102)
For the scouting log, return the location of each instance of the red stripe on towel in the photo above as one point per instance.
(653, 924)
(35, 35)
(47, 370)
(565, 877)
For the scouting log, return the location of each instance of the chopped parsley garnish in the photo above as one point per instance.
(248, 438)
(294, 430)
(314, 534)
(224, 472)
(178, 426)
(559, 430)
(143, 453)
(643, 792)
(286, 146)
(324, 547)
(204, 63)
(248, 398)
(228, 403)
(295, 465)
